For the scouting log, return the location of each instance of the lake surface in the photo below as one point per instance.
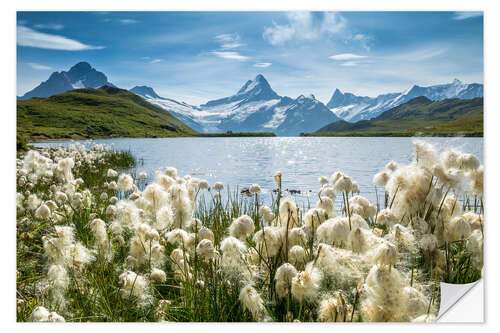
(244, 161)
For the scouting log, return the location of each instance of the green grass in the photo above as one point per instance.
(95, 113)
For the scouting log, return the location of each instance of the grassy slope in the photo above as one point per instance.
(92, 113)
(418, 116)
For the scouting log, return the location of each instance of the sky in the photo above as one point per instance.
(199, 56)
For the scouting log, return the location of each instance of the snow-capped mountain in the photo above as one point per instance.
(353, 108)
(182, 111)
(81, 75)
(255, 107)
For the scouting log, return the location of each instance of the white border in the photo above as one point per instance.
(8, 129)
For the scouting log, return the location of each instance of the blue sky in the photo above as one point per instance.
(198, 56)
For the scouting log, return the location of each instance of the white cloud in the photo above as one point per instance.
(466, 15)
(262, 64)
(33, 38)
(278, 34)
(231, 45)
(155, 61)
(39, 67)
(346, 56)
(230, 55)
(128, 21)
(51, 26)
(227, 38)
(422, 54)
(305, 26)
(228, 41)
(349, 64)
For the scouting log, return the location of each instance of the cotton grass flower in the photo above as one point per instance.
(125, 182)
(255, 189)
(41, 314)
(361, 206)
(296, 236)
(416, 303)
(468, 162)
(288, 213)
(314, 217)
(457, 229)
(477, 181)
(278, 178)
(475, 220)
(100, 233)
(268, 241)
(205, 233)
(305, 284)
(218, 186)
(43, 212)
(475, 247)
(382, 178)
(135, 285)
(323, 180)
(327, 204)
(242, 227)
(403, 237)
(334, 231)
(297, 255)
(254, 303)
(327, 191)
(158, 275)
(112, 173)
(171, 172)
(384, 299)
(205, 249)
(232, 262)
(343, 184)
(267, 213)
(333, 309)
(426, 154)
(58, 279)
(387, 218)
(385, 254)
(284, 275)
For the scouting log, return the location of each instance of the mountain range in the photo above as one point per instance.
(419, 115)
(352, 108)
(256, 107)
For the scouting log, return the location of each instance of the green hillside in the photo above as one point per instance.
(95, 113)
(417, 116)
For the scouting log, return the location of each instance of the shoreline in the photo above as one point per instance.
(259, 136)
(204, 135)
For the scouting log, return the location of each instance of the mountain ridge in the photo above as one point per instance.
(256, 107)
(352, 108)
(81, 75)
(418, 114)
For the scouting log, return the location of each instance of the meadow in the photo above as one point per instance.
(97, 242)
